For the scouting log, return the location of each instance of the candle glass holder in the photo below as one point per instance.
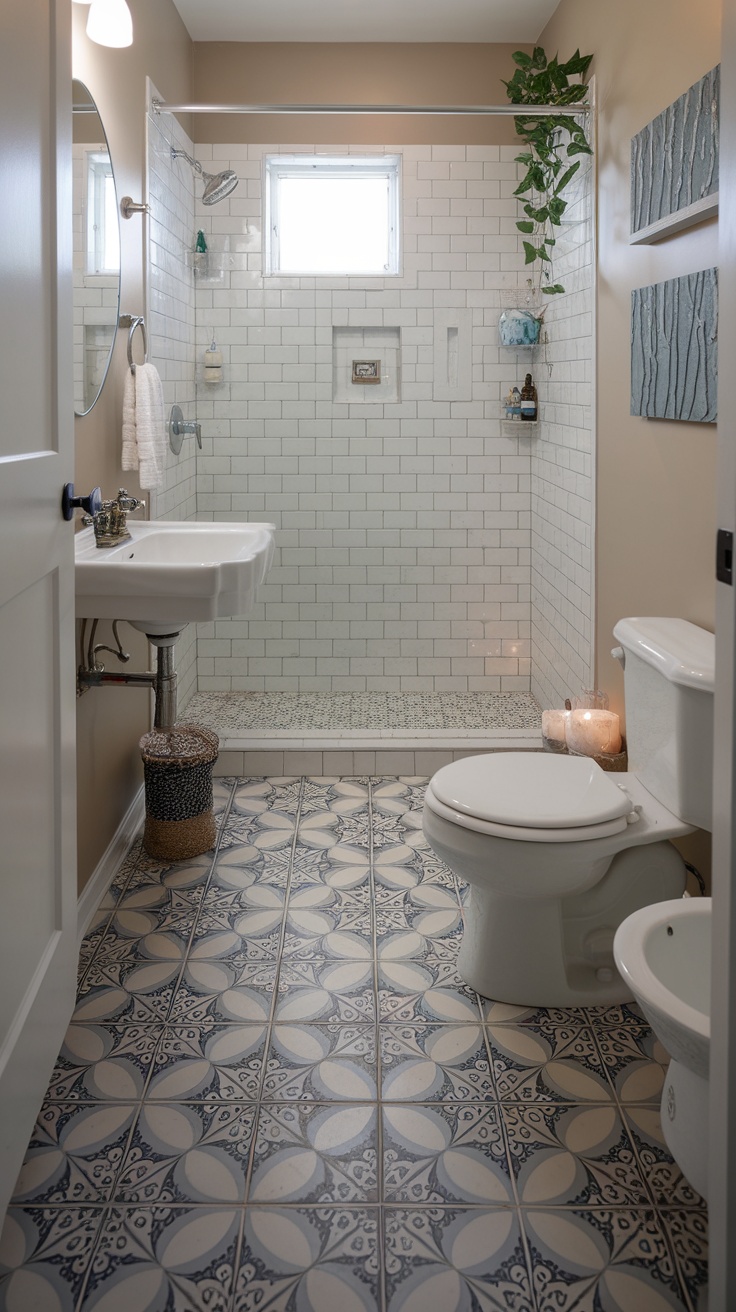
(591, 699)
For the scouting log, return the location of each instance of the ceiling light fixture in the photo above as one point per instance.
(110, 23)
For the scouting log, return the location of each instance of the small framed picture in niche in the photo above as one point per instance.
(366, 371)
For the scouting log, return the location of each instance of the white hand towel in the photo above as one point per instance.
(144, 431)
(130, 449)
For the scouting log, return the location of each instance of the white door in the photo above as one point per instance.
(722, 1161)
(37, 700)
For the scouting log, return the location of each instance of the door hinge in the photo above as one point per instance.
(724, 556)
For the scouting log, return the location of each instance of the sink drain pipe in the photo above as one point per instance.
(162, 680)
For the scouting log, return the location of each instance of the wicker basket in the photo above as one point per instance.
(177, 769)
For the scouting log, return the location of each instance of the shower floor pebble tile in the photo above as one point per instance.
(266, 714)
(278, 1095)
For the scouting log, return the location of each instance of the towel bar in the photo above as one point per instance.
(131, 322)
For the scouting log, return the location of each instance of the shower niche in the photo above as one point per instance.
(363, 347)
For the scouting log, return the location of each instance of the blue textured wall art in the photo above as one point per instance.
(674, 161)
(674, 348)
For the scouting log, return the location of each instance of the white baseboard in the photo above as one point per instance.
(107, 867)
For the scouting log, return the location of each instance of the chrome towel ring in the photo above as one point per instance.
(131, 322)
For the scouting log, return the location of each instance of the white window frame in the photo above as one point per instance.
(277, 167)
(99, 177)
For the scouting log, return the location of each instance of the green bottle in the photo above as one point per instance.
(200, 245)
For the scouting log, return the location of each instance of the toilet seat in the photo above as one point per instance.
(530, 797)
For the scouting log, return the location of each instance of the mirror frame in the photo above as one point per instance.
(81, 97)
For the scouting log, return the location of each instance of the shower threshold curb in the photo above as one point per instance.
(448, 740)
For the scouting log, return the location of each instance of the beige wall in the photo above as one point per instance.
(656, 481)
(400, 73)
(110, 720)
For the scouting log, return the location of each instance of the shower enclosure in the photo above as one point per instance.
(434, 560)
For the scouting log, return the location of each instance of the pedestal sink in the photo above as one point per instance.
(167, 574)
(170, 573)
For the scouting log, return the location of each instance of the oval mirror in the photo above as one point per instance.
(96, 251)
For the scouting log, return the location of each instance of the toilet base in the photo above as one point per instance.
(684, 1112)
(558, 952)
(511, 952)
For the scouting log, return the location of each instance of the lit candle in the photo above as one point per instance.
(553, 725)
(593, 733)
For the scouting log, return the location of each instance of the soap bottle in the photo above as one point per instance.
(529, 400)
(515, 403)
(213, 363)
(200, 245)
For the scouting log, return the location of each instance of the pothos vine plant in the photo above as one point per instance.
(552, 143)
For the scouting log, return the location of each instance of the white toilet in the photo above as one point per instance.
(558, 852)
(663, 953)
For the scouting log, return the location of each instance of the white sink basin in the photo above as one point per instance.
(171, 573)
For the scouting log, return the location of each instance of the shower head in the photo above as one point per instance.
(216, 185)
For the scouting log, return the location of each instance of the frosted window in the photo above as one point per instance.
(332, 216)
(103, 234)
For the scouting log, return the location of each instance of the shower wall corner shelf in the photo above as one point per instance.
(520, 426)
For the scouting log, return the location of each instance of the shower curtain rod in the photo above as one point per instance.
(528, 111)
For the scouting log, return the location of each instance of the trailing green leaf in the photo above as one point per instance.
(550, 142)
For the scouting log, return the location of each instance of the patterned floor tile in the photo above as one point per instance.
(319, 991)
(445, 1153)
(506, 1013)
(177, 1259)
(344, 868)
(218, 1087)
(75, 1153)
(321, 1062)
(132, 989)
(399, 868)
(622, 1013)
(431, 911)
(636, 1062)
(314, 915)
(227, 988)
(44, 1257)
(208, 1063)
(344, 796)
(565, 1155)
(309, 1153)
(619, 1260)
(456, 1260)
(667, 1184)
(237, 868)
(314, 1259)
(688, 1235)
(426, 990)
(549, 1061)
(181, 877)
(255, 796)
(255, 914)
(147, 910)
(184, 1153)
(104, 1063)
(435, 1062)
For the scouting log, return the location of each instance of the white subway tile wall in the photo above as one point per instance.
(422, 546)
(403, 528)
(562, 503)
(170, 315)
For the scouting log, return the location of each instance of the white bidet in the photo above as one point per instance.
(663, 954)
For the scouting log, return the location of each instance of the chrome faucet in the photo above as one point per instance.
(110, 521)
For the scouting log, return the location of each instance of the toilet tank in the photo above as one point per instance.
(669, 674)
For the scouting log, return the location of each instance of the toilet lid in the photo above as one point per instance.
(531, 790)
